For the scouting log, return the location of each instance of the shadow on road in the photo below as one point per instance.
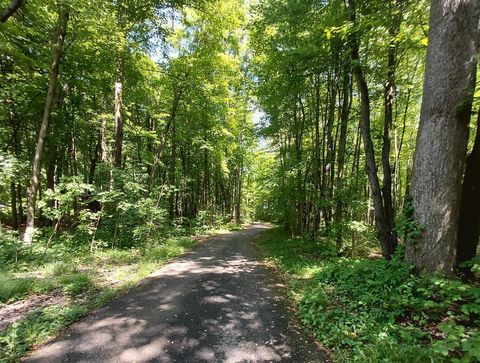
(216, 303)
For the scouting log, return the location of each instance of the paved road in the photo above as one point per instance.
(217, 303)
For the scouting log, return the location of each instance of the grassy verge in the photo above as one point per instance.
(87, 280)
(371, 310)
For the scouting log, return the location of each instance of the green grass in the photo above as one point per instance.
(89, 279)
(371, 310)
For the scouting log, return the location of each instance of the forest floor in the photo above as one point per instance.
(368, 309)
(218, 302)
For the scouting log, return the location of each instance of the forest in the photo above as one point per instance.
(132, 129)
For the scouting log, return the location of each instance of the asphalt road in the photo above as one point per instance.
(217, 303)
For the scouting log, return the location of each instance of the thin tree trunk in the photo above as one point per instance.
(103, 140)
(93, 163)
(118, 120)
(173, 170)
(442, 138)
(173, 114)
(342, 143)
(57, 55)
(389, 98)
(13, 194)
(371, 165)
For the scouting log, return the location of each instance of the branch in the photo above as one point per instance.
(10, 10)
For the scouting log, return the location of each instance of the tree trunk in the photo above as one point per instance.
(118, 120)
(380, 219)
(469, 221)
(389, 98)
(13, 191)
(103, 139)
(443, 132)
(173, 114)
(10, 10)
(342, 143)
(173, 171)
(57, 54)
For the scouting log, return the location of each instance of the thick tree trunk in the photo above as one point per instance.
(381, 222)
(469, 221)
(57, 54)
(443, 132)
(10, 9)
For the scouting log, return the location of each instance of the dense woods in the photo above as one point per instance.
(125, 144)
(341, 84)
(354, 125)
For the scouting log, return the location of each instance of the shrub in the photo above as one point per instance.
(12, 288)
(76, 283)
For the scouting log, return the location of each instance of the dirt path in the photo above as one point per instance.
(217, 303)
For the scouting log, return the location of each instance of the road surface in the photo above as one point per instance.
(217, 303)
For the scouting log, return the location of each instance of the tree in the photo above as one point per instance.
(61, 30)
(382, 204)
(441, 148)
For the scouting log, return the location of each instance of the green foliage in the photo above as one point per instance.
(10, 247)
(59, 268)
(86, 289)
(14, 288)
(374, 310)
(18, 338)
(76, 283)
(407, 226)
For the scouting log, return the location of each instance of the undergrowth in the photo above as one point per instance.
(373, 310)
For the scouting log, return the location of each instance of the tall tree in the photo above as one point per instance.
(382, 220)
(441, 148)
(60, 32)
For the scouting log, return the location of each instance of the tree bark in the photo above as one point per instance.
(469, 221)
(10, 9)
(442, 138)
(57, 55)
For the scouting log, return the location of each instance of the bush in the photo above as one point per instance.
(373, 310)
(59, 268)
(170, 248)
(76, 283)
(10, 247)
(12, 288)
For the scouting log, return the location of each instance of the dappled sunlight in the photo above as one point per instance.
(198, 308)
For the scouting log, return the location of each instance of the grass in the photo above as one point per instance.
(88, 279)
(372, 310)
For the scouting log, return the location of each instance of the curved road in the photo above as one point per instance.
(217, 303)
